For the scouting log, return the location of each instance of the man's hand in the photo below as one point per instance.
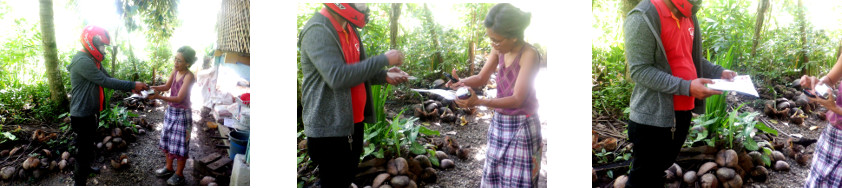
(728, 75)
(396, 76)
(700, 91)
(139, 86)
(395, 57)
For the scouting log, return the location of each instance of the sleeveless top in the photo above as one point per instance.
(506, 80)
(176, 87)
(833, 118)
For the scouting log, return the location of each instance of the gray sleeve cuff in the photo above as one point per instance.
(684, 87)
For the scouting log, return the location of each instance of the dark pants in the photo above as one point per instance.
(336, 157)
(655, 149)
(85, 129)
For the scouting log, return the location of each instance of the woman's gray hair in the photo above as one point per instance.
(507, 20)
(188, 53)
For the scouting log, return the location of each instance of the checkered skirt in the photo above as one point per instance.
(174, 136)
(827, 169)
(513, 158)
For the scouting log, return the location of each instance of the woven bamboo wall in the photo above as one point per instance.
(233, 26)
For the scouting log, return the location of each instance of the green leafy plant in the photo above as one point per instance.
(737, 126)
(116, 116)
(604, 156)
(6, 136)
(700, 130)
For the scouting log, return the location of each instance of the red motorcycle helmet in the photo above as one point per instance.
(92, 38)
(355, 13)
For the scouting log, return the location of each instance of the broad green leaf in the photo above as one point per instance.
(762, 126)
(766, 156)
(417, 149)
(378, 154)
(433, 158)
(427, 131)
(750, 144)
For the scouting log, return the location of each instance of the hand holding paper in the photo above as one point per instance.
(741, 84)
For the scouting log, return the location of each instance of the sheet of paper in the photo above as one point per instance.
(447, 94)
(741, 84)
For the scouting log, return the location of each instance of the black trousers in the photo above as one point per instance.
(337, 157)
(85, 129)
(655, 149)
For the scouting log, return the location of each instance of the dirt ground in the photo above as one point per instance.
(144, 156)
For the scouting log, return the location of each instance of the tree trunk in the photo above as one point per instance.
(472, 46)
(471, 51)
(803, 58)
(627, 6)
(393, 25)
(48, 36)
(114, 53)
(762, 9)
(437, 58)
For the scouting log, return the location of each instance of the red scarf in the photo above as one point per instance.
(101, 93)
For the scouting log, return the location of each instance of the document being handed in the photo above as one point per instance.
(742, 84)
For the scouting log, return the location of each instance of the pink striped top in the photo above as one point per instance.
(506, 80)
(176, 87)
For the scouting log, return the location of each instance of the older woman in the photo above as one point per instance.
(825, 170)
(514, 137)
(175, 136)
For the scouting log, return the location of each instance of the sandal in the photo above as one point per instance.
(164, 172)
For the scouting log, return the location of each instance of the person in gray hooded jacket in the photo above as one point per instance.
(87, 79)
(335, 89)
(663, 49)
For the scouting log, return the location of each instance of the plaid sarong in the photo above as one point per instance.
(827, 170)
(513, 158)
(174, 136)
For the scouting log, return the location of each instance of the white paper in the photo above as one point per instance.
(741, 84)
(447, 94)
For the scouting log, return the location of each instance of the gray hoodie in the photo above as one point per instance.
(651, 101)
(85, 80)
(327, 82)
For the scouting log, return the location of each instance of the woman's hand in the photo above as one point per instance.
(154, 95)
(470, 102)
(457, 85)
(828, 103)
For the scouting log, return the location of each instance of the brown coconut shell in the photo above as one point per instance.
(398, 166)
(690, 177)
(709, 181)
(707, 167)
(782, 166)
(727, 158)
(736, 182)
(380, 179)
(400, 181)
(447, 164)
(759, 174)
